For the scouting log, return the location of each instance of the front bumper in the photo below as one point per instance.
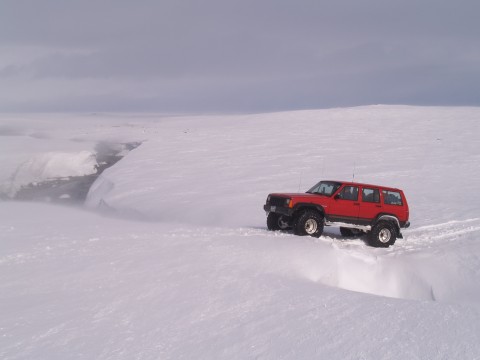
(278, 210)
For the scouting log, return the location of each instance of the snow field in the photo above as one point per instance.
(196, 275)
(218, 170)
(93, 287)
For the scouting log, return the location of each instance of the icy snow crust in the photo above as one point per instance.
(183, 267)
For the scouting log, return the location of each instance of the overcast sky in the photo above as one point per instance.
(236, 55)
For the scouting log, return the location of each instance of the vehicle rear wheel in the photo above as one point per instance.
(383, 234)
(347, 232)
(309, 223)
(277, 222)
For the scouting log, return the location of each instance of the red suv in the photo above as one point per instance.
(356, 208)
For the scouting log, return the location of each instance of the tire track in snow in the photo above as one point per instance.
(437, 234)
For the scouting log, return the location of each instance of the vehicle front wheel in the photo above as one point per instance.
(309, 223)
(383, 234)
(277, 222)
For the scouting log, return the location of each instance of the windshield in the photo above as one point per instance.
(326, 188)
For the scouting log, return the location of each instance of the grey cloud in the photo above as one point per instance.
(10, 71)
(245, 55)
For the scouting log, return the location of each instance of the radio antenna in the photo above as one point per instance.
(300, 182)
(353, 175)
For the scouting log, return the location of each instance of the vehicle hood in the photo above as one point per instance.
(300, 197)
(292, 195)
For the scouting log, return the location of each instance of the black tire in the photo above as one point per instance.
(309, 223)
(277, 222)
(347, 232)
(383, 234)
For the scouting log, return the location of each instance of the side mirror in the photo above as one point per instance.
(336, 197)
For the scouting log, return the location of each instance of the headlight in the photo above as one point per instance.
(287, 202)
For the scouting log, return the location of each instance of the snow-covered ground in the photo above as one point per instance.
(170, 257)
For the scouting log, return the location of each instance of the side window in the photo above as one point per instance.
(392, 197)
(349, 193)
(370, 195)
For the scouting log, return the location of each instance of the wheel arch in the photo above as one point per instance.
(389, 218)
(298, 208)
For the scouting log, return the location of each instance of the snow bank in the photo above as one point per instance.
(444, 269)
(47, 166)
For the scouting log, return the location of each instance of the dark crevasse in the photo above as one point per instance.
(74, 189)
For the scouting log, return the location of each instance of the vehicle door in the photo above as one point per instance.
(370, 205)
(346, 205)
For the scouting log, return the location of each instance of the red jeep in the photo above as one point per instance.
(356, 208)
